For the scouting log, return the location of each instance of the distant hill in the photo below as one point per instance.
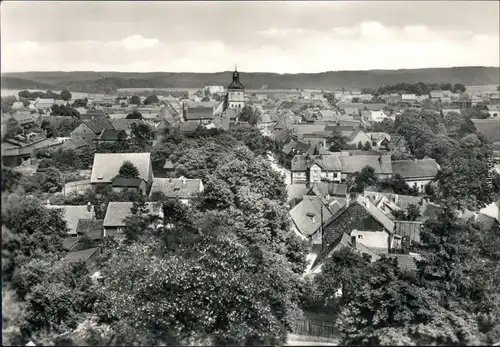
(105, 82)
(22, 83)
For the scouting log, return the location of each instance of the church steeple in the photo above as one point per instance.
(236, 84)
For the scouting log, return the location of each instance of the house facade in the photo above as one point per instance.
(116, 213)
(107, 165)
(416, 173)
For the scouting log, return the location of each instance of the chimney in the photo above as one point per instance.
(353, 241)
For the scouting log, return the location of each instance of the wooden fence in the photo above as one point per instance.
(318, 328)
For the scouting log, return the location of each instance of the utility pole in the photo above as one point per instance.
(321, 227)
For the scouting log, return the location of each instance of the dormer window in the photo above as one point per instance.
(312, 216)
(100, 177)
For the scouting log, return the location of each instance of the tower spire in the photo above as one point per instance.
(235, 67)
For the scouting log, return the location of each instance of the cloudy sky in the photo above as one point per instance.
(283, 37)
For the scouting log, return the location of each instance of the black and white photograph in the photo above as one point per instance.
(250, 173)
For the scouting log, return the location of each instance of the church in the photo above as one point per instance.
(234, 100)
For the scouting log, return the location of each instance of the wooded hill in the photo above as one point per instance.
(95, 82)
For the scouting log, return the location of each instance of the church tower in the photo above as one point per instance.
(236, 93)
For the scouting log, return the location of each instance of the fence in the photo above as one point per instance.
(318, 328)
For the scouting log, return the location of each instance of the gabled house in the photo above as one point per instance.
(493, 111)
(292, 149)
(117, 212)
(361, 214)
(107, 165)
(374, 116)
(266, 123)
(87, 256)
(381, 164)
(121, 184)
(397, 144)
(125, 124)
(380, 140)
(181, 189)
(355, 136)
(44, 104)
(201, 115)
(90, 130)
(309, 215)
(73, 213)
(314, 168)
(110, 136)
(416, 173)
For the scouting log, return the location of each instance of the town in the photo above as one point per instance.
(249, 173)
(361, 176)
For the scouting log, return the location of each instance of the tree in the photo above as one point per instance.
(459, 88)
(367, 146)
(141, 137)
(13, 319)
(202, 293)
(246, 113)
(456, 187)
(66, 95)
(152, 99)
(413, 212)
(35, 230)
(205, 98)
(66, 111)
(392, 309)
(134, 115)
(362, 179)
(446, 86)
(7, 102)
(47, 126)
(128, 170)
(337, 142)
(66, 126)
(397, 185)
(25, 102)
(10, 179)
(52, 181)
(80, 102)
(344, 272)
(135, 100)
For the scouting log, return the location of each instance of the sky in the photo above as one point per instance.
(257, 36)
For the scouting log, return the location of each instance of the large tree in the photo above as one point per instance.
(135, 100)
(152, 99)
(337, 142)
(128, 169)
(66, 95)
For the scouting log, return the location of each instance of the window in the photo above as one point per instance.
(119, 230)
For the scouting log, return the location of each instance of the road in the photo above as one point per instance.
(287, 177)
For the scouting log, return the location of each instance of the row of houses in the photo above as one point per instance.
(81, 219)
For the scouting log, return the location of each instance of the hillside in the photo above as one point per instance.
(90, 81)
(22, 83)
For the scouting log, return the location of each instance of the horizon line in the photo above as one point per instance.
(253, 72)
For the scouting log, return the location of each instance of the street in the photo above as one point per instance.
(287, 177)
